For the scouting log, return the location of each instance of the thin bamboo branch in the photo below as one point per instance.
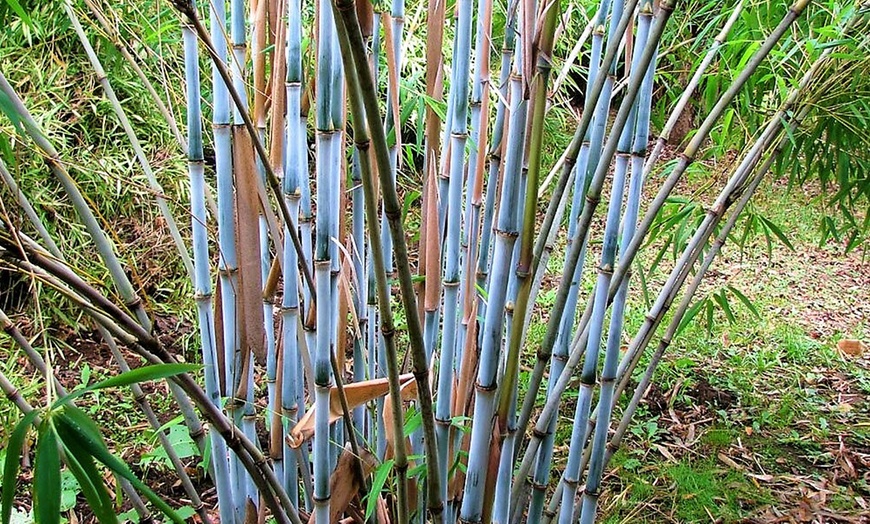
(131, 136)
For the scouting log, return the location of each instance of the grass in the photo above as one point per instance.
(754, 414)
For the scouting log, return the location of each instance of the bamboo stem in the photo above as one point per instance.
(131, 136)
(393, 211)
(361, 141)
(52, 158)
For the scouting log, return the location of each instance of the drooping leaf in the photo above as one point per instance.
(8, 109)
(690, 315)
(10, 466)
(722, 300)
(46, 477)
(82, 466)
(71, 426)
(134, 376)
(18, 10)
(746, 302)
(773, 228)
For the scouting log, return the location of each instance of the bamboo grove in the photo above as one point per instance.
(385, 366)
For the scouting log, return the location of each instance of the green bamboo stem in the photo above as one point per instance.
(393, 210)
(543, 49)
(131, 136)
(104, 247)
(362, 143)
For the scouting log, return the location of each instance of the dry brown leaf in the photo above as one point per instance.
(357, 393)
(344, 483)
(382, 511)
(250, 292)
(853, 348)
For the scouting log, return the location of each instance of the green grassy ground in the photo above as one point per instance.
(759, 418)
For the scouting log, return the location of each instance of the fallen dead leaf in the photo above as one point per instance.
(853, 348)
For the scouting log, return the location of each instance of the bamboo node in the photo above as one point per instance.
(538, 485)
(538, 434)
(227, 271)
(134, 303)
(480, 387)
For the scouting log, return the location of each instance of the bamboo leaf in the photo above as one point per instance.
(46, 477)
(78, 426)
(8, 109)
(710, 310)
(134, 376)
(776, 231)
(381, 474)
(746, 302)
(722, 300)
(690, 314)
(13, 460)
(16, 7)
(82, 466)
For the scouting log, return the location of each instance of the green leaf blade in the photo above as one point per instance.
(46, 477)
(134, 376)
(10, 468)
